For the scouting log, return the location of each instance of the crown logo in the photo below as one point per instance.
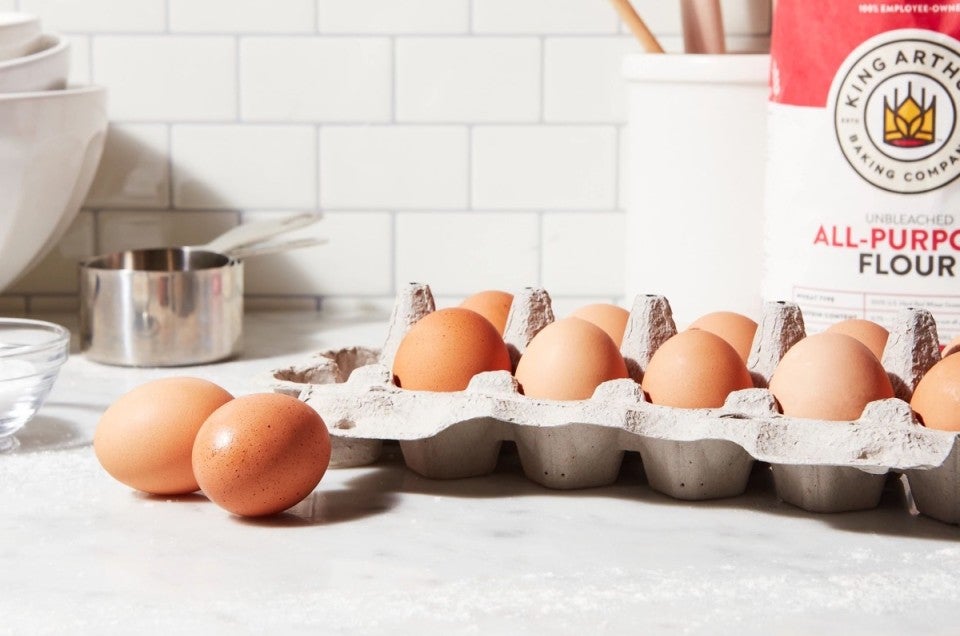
(909, 124)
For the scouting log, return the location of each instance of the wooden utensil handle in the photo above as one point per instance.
(637, 26)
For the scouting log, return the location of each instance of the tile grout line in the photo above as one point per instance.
(171, 168)
(364, 209)
(492, 35)
(617, 168)
(317, 168)
(90, 59)
(469, 166)
(543, 81)
(238, 105)
(393, 80)
(304, 123)
(97, 240)
(394, 269)
(540, 250)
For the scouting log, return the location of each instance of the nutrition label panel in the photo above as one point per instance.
(823, 307)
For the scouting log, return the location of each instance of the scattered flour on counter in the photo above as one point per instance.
(712, 601)
(61, 478)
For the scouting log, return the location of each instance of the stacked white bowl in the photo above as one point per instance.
(51, 140)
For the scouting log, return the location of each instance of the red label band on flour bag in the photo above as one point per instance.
(863, 178)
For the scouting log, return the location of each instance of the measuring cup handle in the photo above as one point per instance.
(262, 249)
(250, 233)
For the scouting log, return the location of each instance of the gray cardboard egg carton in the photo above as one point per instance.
(691, 454)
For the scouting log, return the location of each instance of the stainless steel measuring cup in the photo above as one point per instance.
(174, 306)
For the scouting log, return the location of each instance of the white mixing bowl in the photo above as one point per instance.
(19, 33)
(50, 146)
(43, 68)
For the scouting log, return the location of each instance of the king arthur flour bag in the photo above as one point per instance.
(863, 175)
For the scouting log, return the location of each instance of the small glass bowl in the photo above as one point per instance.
(31, 354)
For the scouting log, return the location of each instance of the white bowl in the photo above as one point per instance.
(50, 146)
(43, 68)
(19, 33)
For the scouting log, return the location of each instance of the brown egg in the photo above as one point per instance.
(446, 348)
(261, 454)
(610, 318)
(829, 376)
(952, 347)
(145, 438)
(866, 331)
(694, 369)
(567, 360)
(491, 304)
(936, 400)
(736, 329)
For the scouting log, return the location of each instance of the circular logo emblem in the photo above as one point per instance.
(895, 113)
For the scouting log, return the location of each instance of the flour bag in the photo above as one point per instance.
(863, 174)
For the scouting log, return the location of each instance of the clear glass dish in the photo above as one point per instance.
(31, 354)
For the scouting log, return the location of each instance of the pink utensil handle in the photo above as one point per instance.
(702, 26)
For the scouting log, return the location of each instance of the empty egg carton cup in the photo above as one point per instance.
(692, 454)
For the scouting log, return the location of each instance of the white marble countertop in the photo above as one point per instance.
(381, 550)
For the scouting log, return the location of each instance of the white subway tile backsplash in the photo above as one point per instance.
(582, 79)
(102, 16)
(244, 166)
(746, 17)
(544, 16)
(583, 253)
(57, 272)
(393, 16)
(464, 143)
(740, 17)
(465, 252)
(170, 78)
(131, 230)
(468, 79)
(539, 167)
(316, 79)
(134, 169)
(243, 16)
(79, 59)
(393, 167)
(356, 260)
(624, 171)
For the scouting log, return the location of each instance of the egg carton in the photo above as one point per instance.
(690, 454)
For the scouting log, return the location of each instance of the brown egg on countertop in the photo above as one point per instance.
(446, 348)
(492, 304)
(610, 318)
(694, 369)
(738, 330)
(145, 438)
(936, 400)
(866, 331)
(567, 360)
(829, 376)
(261, 454)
